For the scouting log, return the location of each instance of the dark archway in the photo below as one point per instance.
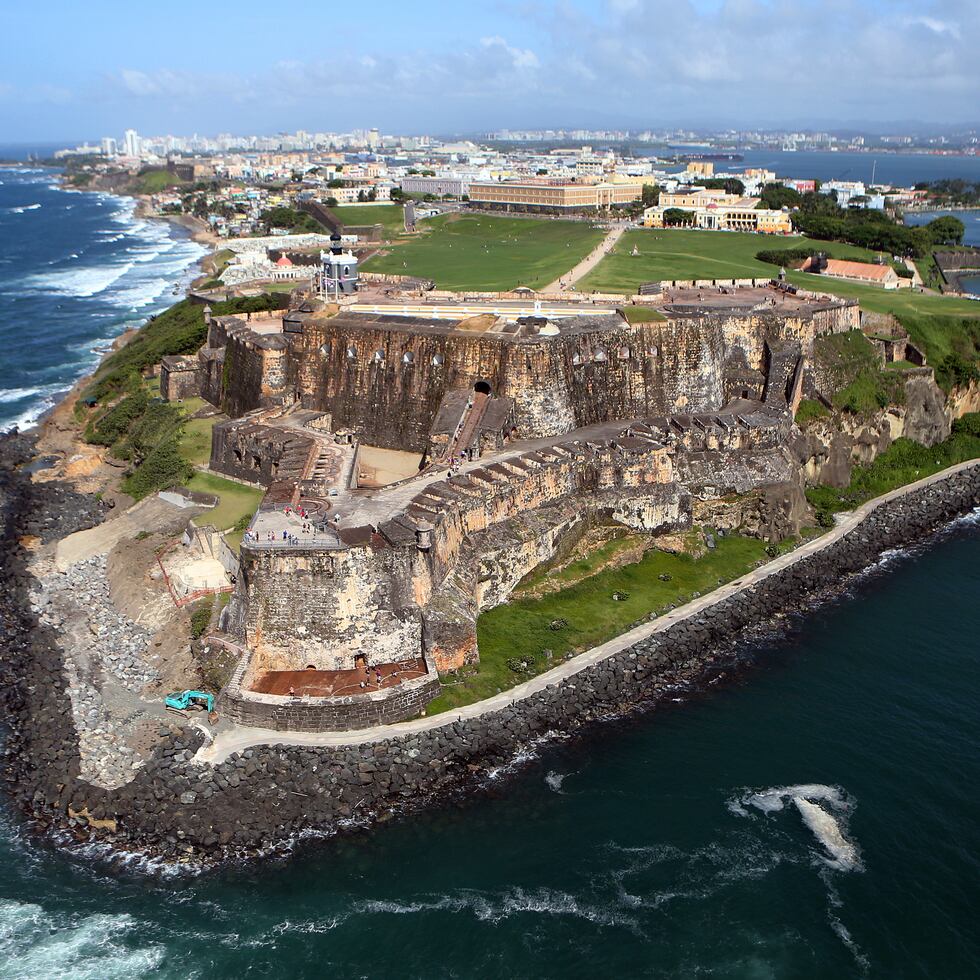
(483, 388)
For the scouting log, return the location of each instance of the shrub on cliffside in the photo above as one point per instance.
(163, 467)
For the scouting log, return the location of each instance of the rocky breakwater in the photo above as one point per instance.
(179, 804)
(104, 665)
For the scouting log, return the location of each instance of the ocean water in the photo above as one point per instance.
(76, 270)
(904, 169)
(817, 816)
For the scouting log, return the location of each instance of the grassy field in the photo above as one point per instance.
(236, 501)
(939, 325)
(481, 253)
(392, 216)
(154, 181)
(194, 443)
(686, 254)
(521, 630)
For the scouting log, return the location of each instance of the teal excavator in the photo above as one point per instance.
(182, 700)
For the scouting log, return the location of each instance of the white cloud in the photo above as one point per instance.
(521, 57)
(628, 62)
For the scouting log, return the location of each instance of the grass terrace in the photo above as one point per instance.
(515, 637)
(481, 253)
(156, 180)
(392, 216)
(677, 253)
(236, 501)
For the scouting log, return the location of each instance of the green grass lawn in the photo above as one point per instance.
(684, 254)
(481, 253)
(392, 216)
(521, 629)
(235, 501)
(154, 181)
(940, 325)
(194, 443)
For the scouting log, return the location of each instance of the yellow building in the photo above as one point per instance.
(696, 197)
(558, 195)
(740, 216)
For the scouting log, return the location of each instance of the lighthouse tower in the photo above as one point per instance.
(338, 271)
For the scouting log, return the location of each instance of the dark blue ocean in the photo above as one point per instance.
(815, 817)
(76, 270)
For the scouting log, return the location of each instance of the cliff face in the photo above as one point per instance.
(828, 448)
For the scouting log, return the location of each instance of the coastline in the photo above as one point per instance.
(58, 416)
(246, 802)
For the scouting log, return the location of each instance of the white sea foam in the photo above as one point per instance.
(26, 207)
(773, 800)
(842, 853)
(34, 943)
(483, 906)
(82, 283)
(824, 811)
(16, 394)
(554, 780)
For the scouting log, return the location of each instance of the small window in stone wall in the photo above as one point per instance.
(655, 351)
(438, 360)
(576, 360)
(600, 355)
(624, 353)
(325, 349)
(408, 357)
(351, 353)
(379, 356)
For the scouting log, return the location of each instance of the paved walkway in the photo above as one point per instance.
(583, 268)
(238, 738)
(150, 514)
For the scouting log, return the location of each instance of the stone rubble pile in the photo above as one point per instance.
(107, 650)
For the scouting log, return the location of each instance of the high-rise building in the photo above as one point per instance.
(131, 143)
(109, 147)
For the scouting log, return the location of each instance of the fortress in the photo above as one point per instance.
(420, 459)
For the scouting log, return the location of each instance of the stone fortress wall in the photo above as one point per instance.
(405, 570)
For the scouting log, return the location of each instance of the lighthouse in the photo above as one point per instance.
(338, 271)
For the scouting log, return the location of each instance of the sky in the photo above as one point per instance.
(72, 70)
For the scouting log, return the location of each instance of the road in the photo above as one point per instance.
(587, 264)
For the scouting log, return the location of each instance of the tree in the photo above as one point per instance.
(331, 202)
(730, 185)
(775, 197)
(335, 183)
(650, 195)
(946, 230)
(676, 216)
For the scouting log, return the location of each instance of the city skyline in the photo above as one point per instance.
(577, 63)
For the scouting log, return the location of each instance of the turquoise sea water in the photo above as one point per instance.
(669, 845)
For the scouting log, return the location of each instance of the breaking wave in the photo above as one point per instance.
(34, 944)
(823, 810)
